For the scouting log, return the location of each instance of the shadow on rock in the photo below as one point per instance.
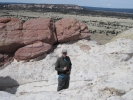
(8, 84)
(5, 59)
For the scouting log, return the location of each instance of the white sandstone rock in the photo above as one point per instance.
(105, 72)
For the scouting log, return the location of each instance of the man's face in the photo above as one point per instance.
(64, 54)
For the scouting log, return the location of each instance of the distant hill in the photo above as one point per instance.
(11, 3)
(62, 6)
(68, 9)
(109, 9)
(31, 6)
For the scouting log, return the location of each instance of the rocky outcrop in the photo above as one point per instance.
(10, 24)
(68, 29)
(11, 37)
(41, 29)
(126, 34)
(32, 51)
(21, 38)
(4, 20)
(10, 41)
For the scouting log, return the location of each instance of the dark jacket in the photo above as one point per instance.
(61, 63)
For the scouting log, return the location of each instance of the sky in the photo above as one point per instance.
(91, 3)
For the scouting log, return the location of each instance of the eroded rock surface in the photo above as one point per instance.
(15, 35)
(4, 20)
(32, 51)
(11, 37)
(104, 72)
(68, 29)
(41, 29)
(10, 41)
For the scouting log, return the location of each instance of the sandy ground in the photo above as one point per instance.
(101, 38)
(103, 29)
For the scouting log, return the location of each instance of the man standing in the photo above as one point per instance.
(63, 67)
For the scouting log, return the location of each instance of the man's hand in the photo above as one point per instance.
(65, 68)
(68, 72)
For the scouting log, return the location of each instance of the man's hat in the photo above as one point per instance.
(64, 51)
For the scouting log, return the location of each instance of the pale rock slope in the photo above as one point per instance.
(128, 34)
(104, 72)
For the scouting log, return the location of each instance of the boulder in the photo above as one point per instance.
(38, 24)
(12, 24)
(41, 29)
(84, 31)
(2, 26)
(10, 41)
(11, 37)
(70, 30)
(4, 20)
(31, 36)
(32, 51)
